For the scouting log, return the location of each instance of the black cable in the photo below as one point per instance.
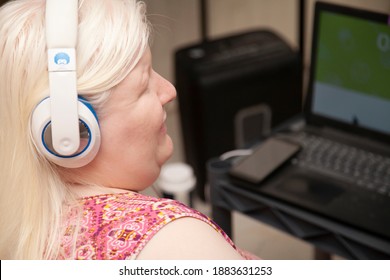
(203, 20)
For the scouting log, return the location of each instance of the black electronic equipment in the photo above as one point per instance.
(218, 78)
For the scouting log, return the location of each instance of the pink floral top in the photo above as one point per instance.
(118, 226)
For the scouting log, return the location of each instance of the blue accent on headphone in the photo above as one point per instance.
(86, 103)
(61, 156)
(89, 106)
(62, 58)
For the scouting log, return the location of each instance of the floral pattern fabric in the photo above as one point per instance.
(118, 226)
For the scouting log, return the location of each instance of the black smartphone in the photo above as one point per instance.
(265, 159)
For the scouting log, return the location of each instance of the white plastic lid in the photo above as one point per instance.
(176, 178)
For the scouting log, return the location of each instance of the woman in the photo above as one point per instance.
(92, 211)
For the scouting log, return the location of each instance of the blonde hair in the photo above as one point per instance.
(112, 36)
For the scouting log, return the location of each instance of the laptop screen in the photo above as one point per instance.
(350, 80)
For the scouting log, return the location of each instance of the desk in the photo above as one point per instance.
(328, 237)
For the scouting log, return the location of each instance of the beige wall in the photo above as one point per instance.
(235, 16)
(175, 22)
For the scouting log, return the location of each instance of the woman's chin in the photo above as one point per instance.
(168, 149)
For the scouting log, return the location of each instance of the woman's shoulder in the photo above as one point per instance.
(191, 239)
(118, 226)
(124, 206)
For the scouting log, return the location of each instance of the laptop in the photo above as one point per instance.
(343, 169)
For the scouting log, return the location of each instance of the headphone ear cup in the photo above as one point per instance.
(89, 134)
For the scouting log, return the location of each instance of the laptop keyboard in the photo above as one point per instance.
(365, 169)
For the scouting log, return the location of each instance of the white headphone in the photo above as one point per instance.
(64, 127)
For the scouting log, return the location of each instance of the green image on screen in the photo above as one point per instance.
(354, 54)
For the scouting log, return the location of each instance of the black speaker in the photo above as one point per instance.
(216, 79)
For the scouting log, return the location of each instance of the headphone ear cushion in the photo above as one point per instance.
(89, 134)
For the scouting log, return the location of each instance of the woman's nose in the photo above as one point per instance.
(166, 90)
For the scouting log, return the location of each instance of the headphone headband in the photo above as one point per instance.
(61, 37)
(64, 126)
(61, 23)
